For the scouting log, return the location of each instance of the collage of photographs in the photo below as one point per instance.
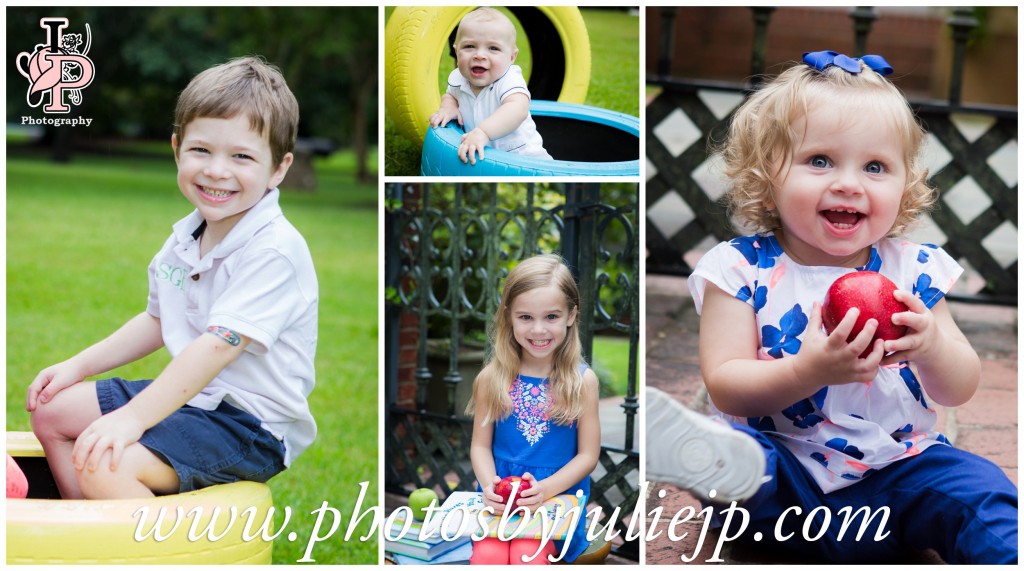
(504, 285)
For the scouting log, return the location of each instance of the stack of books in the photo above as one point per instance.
(409, 549)
(460, 515)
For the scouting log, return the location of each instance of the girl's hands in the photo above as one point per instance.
(534, 497)
(829, 356)
(114, 431)
(923, 335)
(531, 499)
(492, 499)
(51, 381)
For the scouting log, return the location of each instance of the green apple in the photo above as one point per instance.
(420, 500)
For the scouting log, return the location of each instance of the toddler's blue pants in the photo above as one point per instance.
(957, 503)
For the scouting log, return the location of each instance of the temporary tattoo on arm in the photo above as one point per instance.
(224, 333)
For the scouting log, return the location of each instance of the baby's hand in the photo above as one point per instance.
(831, 357)
(492, 499)
(444, 115)
(51, 381)
(473, 142)
(922, 335)
(115, 431)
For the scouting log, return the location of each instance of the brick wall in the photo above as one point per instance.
(408, 342)
(716, 43)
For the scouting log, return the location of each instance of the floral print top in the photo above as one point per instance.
(527, 440)
(842, 433)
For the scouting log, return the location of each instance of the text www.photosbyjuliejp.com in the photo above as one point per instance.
(214, 525)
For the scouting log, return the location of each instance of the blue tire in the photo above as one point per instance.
(584, 140)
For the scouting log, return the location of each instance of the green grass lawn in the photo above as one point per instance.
(614, 79)
(79, 239)
(611, 361)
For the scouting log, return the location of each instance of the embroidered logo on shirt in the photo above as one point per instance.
(530, 403)
(172, 274)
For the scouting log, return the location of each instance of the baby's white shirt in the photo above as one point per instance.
(524, 140)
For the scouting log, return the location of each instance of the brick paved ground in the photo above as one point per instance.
(987, 425)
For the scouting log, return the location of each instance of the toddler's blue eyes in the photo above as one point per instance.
(875, 167)
(819, 162)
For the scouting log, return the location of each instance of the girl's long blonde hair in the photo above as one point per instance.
(565, 383)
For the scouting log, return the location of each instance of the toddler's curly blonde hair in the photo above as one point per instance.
(760, 138)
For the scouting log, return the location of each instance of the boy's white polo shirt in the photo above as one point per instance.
(525, 140)
(259, 282)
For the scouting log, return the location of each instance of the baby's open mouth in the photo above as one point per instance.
(842, 218)
(478, 70)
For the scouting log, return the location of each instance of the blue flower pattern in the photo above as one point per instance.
(805, 420)
(785, 338)
(845, 447)
(923, 289)
(803, 414)
(760, 295)
(759, 251)
(912, 384)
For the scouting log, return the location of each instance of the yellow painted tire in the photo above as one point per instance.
(103, 531)
(415, 38)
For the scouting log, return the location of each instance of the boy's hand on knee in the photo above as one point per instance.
(114, 431)
(51, 381)
(473, 142)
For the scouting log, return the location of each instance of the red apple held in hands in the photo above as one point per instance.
(504, 488)
(871, 293)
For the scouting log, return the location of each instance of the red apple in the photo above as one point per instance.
(504, 488)
(871, 293)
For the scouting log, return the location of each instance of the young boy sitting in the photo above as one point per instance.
(487, 93)
(233, 297)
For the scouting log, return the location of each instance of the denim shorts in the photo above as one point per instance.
(205, 447)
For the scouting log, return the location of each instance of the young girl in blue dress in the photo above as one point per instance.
(535, 407)
(823, 162)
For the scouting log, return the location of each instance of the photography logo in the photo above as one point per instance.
(58, 70)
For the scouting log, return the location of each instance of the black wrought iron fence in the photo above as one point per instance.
(972, 158)
(448, 248)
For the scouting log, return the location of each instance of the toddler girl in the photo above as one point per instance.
(823, 164)
(535, 406)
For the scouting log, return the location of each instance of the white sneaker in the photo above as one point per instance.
(694, 452)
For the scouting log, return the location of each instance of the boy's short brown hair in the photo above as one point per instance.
(243, 85)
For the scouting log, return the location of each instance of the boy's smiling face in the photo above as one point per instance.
(225, 168)
(485, 48)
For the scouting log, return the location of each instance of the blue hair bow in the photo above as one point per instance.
(821, 60)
